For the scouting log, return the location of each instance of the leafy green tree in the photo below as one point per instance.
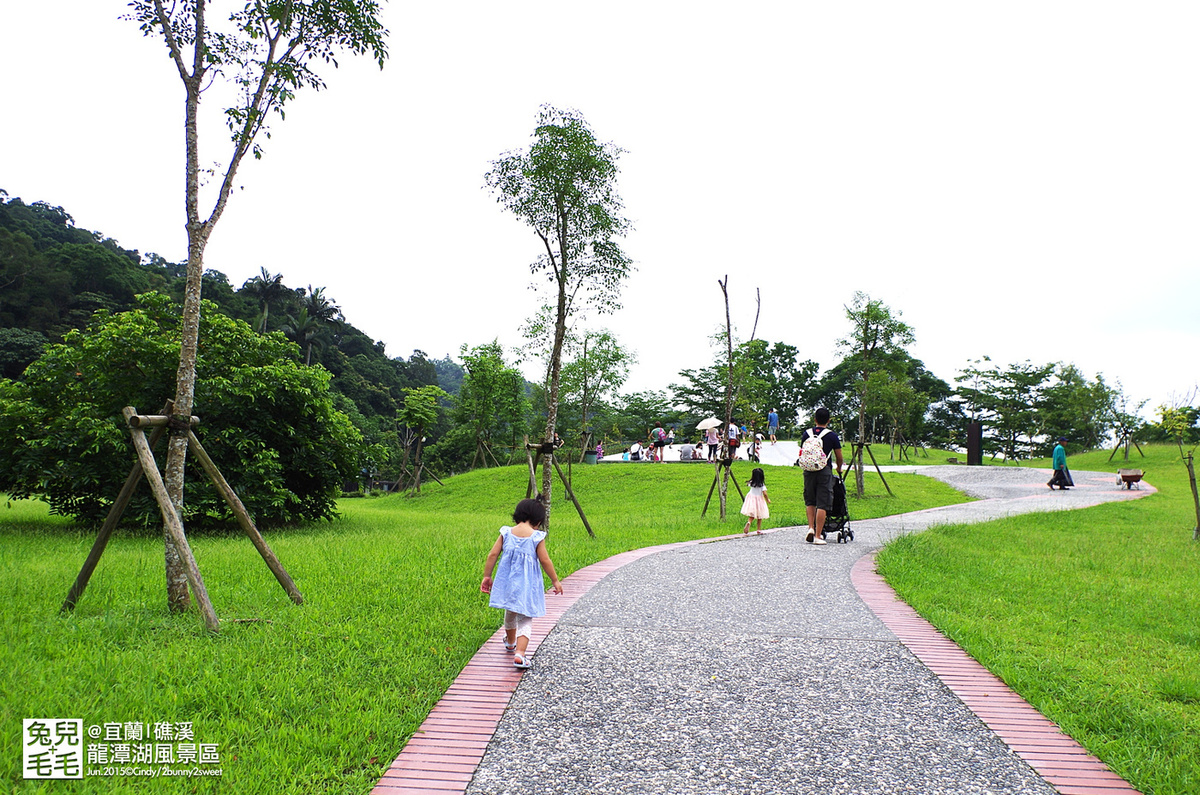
(767, 376)
(637, 412)
(1179, 423)
(18, 348)
(876, 342)
(701, 391)
(419, 412)
(842, 391)
(1007, 402)
(564, 187)
(267, 288)
(492, 401)
(598, 368)
(267, 50)
(1080, 409)
(269, 422)
(302, 329)
(773, 377)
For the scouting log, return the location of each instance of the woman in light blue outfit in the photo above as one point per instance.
(518, 588)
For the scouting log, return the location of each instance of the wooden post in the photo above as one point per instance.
(571, 494)
(877, 469)
(243, 517)
(716, 477)
(1195, 494)
(173, 523)
(736, 485)
(106, 531)
(532, 487)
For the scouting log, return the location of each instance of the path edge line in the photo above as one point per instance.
(443, 753)
(1055, 756)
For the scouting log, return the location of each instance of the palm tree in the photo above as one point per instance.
(303, 329)
(319, 307)
(267, 288)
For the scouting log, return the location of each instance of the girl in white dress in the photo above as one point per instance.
(755, 505)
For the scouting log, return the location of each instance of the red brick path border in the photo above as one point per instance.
(1056, 757)
(442, 755)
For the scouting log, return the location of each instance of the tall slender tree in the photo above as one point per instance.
(267, 49)
(564, 186)
(598, 369)
(267, 288)
(876, 337)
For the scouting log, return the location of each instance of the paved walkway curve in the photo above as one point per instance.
(754, 664)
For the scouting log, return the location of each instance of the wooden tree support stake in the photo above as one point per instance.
(146, 466)
(857, 455)
(571, 494)
(716, 477)
(243, 517)
(174, 525)
(877, 469)
(110, 524)
(532, 488)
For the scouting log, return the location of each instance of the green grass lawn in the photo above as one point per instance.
(318, 698)
(1093, 616)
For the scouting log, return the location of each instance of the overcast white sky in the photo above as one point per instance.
(1020, 179)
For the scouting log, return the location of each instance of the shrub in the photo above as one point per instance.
(267, 420)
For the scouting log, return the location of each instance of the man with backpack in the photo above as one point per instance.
(815, 446)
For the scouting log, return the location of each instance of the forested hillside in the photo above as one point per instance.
(55, 275)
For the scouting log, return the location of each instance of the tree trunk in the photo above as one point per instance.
(723, 491)
(1195, 494)
(417, 462)
(185, 378)
(856, 459)
(560, 333)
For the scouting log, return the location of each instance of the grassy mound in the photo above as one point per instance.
(319, 698)
(1090, 615)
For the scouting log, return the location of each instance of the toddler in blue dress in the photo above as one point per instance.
(518, 588)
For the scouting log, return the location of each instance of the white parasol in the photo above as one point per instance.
(711, 422)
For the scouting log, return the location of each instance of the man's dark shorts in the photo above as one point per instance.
(818, 489)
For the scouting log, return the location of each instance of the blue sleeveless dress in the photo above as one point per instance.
(517, 584)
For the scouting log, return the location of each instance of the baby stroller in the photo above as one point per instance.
(837, 519)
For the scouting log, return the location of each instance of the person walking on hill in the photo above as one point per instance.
(1062, 475)
(815, 446)
(772, 424)
(756, 502)
(518, 588)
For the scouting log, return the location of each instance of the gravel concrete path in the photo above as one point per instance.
(752, 666)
